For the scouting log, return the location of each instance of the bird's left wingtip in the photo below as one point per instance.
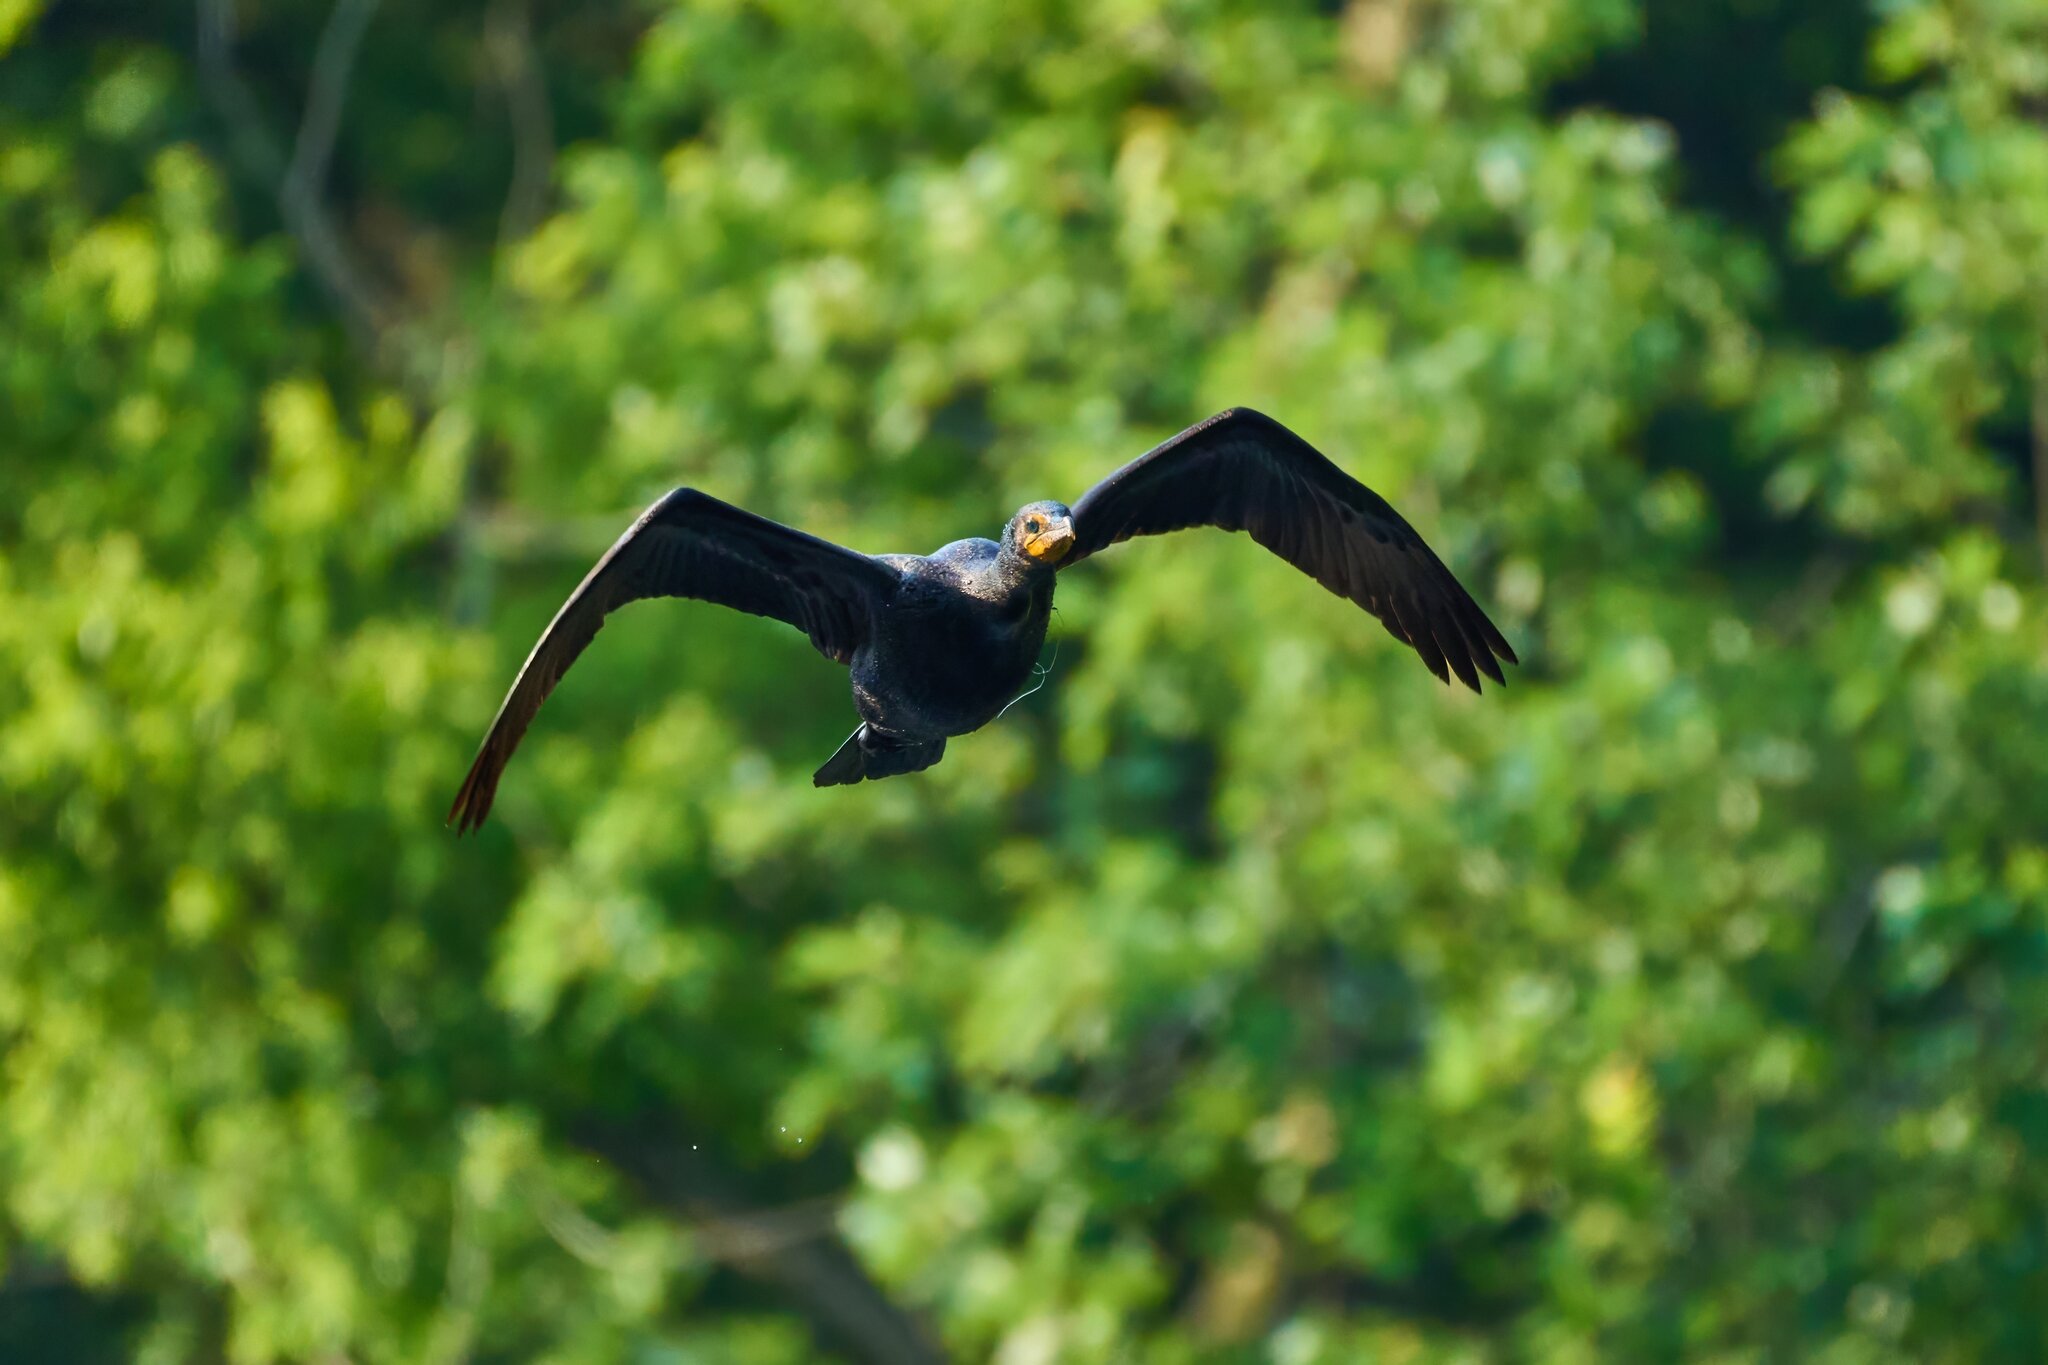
(471, 805)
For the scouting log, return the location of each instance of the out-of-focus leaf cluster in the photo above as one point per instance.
(1243, 995)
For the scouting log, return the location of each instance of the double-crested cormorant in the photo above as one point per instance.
(939, 644)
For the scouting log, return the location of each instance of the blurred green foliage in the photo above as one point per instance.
(1242, 996)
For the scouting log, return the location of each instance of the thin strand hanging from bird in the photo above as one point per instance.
(1040, 671)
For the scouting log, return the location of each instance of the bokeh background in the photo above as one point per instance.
(1244, 995)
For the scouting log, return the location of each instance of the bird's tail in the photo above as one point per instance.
(845, 764)
(872, 753)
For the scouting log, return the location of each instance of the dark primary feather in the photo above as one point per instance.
(689, 544)
(1243, 471)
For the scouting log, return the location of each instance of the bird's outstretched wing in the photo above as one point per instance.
(689, 544)
(1243, 471)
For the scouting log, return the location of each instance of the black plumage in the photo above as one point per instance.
(938, 645)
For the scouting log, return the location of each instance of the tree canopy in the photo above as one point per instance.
(1243, 995)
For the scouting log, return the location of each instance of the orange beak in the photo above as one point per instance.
(1051, 545)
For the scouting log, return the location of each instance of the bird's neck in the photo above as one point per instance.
(1018, 578)
(1019, 571)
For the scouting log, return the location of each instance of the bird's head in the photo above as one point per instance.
(1042, 532)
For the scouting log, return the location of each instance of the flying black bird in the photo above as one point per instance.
(939, 644)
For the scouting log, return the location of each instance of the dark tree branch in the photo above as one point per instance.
(332, 62)
(363, 307)
(739, 1241)
(1807, 600)
(1841, 928)
(793, 1249)
(508, 41)
(2040, 425)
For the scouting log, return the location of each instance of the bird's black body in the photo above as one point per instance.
(937, 645)
(954, 647)
(957, 642)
